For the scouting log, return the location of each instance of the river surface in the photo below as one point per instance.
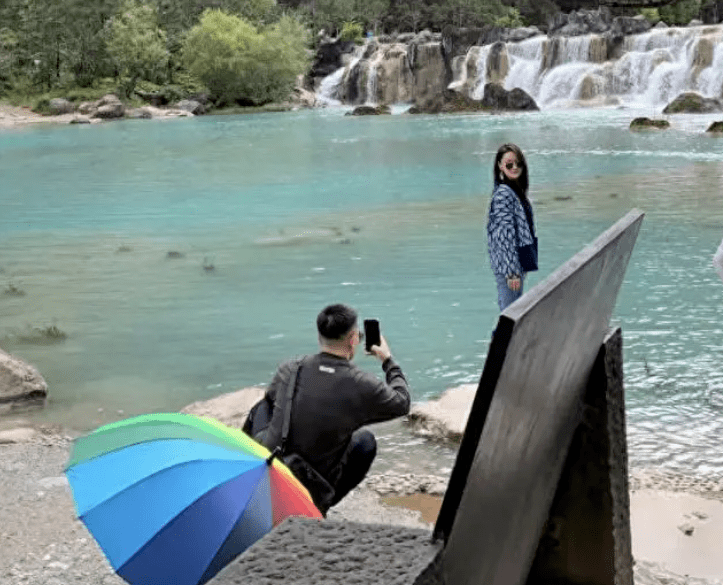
(270, 217)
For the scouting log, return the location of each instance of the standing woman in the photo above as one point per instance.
(511, 240)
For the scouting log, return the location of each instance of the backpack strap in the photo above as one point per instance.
(285, 403)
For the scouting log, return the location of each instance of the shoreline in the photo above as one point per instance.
(676, 521)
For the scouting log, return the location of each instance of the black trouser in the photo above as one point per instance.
(355, 463)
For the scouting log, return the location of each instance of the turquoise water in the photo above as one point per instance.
(301, 209)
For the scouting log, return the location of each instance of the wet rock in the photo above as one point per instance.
(20, 383)
(498, 98)
(447, 102)
(693, 103)
(369, 111)
(648, 123)
(715, 128)
(687, 529)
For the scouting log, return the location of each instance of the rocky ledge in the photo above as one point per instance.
(21, 385)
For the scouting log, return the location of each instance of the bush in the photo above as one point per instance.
(512, 19)
(352, 31)
(679, 13)
(242, 64)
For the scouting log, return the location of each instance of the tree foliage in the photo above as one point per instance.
(136, 45)
(680, 13)
(244, 64)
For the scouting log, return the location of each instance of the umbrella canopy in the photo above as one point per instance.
(172, 498)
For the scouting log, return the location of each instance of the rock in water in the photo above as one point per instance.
(693, 103)
(645, 123)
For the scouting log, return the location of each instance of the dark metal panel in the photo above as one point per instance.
(526, 409)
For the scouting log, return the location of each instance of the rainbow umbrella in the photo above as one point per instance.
(172, 498)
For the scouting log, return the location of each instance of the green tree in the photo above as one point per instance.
(475, 12)
(680, 13)
(372, 12)
(136, 44)
(240, 63)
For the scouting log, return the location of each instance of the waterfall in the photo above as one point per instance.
(647, 69)
(371, 88)
(328, 92)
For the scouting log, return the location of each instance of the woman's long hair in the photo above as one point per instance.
(521, 185)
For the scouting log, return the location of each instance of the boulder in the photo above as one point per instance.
(448, 101)
(86, 108)
(142, 113)
(59, 106)
(230, 409)
(647, 123)
(498, 98)
(715, 128)
(194, 107)
(369, 111)
(20, 384)
(693, 103)
(422, 37)
(443, 419)
(630, 25)
(109, 107)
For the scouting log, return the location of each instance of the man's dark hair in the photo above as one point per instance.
(335, 321)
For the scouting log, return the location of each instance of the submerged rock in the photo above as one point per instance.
(645, 123)
(20, 384)
(693, 103)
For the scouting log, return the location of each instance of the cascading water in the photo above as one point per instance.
(371, 86)
(648, 69)
(328, 92)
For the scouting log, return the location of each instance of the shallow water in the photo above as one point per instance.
(297, 210)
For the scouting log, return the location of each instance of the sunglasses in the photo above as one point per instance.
(510, 165)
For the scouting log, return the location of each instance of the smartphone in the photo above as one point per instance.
(371, 333)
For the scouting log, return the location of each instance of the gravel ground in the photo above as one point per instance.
(42, 542)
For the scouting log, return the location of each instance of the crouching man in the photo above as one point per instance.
(332, 401)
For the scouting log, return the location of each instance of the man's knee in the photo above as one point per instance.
(364, 444)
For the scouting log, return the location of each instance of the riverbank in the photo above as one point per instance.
(676, 534)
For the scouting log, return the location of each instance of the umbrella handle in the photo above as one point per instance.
(275, 453)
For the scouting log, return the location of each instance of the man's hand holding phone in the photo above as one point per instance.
(382, 350)
(375, 344)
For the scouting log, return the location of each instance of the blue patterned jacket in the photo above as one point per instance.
(508, 230)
